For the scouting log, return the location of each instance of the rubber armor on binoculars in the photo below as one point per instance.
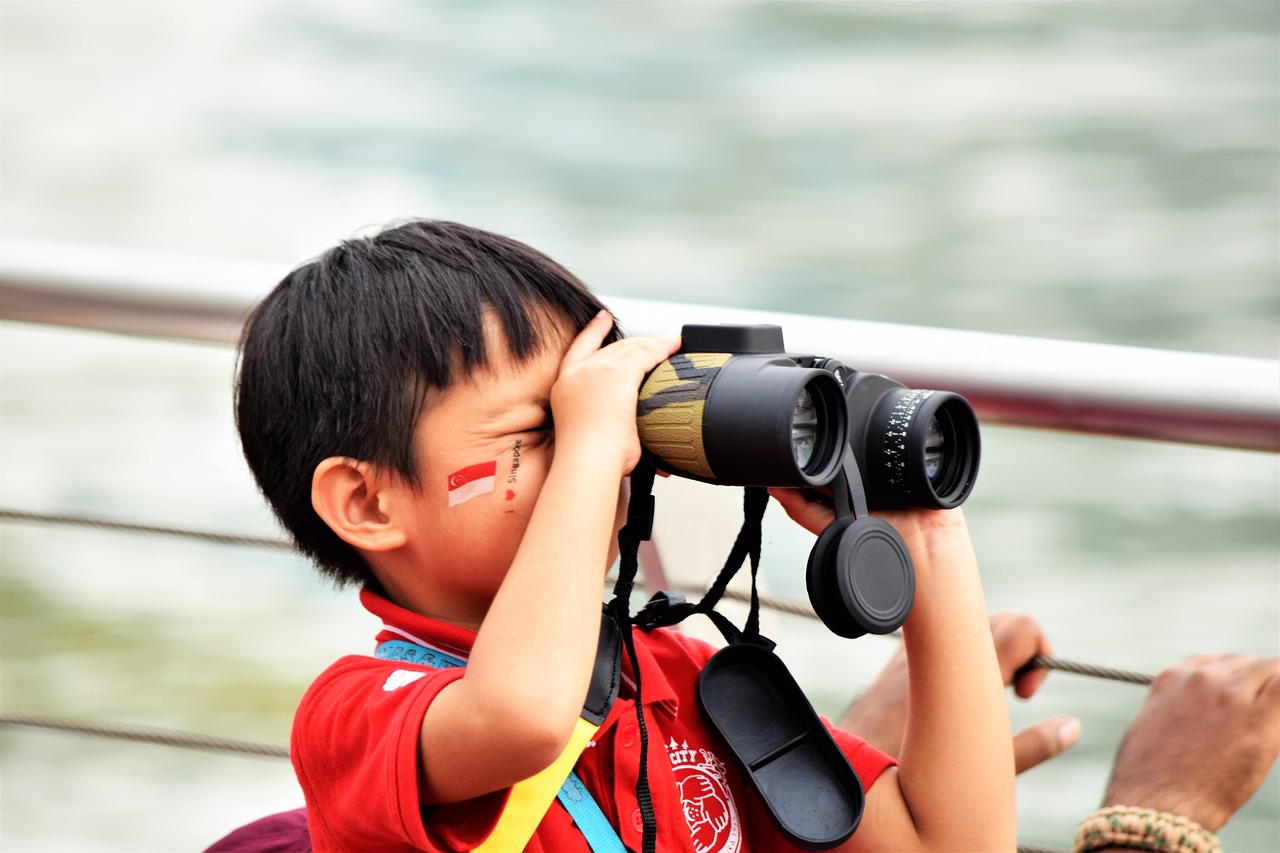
(732, 407)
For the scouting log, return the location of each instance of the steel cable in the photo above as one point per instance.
(781, 605)
(144, 734)
(129, 527)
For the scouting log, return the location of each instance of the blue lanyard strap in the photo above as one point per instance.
(414, 653)
(573, 794)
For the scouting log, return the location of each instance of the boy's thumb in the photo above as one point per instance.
(1042, 741)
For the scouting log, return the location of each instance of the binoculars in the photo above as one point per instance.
(732, 407)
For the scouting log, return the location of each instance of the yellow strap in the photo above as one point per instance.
(530, 799)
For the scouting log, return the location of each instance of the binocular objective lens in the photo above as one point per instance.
(935, 449)
(804, 429)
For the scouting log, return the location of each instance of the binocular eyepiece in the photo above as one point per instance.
(733, 408)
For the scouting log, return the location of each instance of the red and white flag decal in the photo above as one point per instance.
(466, 483)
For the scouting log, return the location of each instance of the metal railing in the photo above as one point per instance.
(1191, 398)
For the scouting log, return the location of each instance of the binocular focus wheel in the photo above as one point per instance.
(861, 579)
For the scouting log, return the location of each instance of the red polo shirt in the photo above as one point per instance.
(355, 750)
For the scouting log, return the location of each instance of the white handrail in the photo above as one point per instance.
(1192, 398)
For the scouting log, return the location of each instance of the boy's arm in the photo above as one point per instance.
(954, 786)
(956, 771)
(530, 666)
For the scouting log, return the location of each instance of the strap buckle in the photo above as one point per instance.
(664, 608)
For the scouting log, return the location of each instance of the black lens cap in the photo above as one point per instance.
(877, 580)
(861, 579)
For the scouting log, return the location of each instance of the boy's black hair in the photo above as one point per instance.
(338, 359)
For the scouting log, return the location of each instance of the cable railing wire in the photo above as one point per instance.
(143, 734)
(773, 602)
(71, 520)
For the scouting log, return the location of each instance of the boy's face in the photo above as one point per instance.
(484, 447)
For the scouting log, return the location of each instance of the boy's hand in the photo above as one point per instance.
(879, 716)
(594, 397)
(806, 508)
(1018, 640)
(934, 537)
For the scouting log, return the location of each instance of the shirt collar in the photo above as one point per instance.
(655, 688)
(400, 623)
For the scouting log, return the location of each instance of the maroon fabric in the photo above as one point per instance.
(285, 832)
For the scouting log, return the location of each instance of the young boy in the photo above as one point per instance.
(443, 416)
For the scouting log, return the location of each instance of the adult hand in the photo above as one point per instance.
(1203, 741)
(1019, 639)
(879, 715)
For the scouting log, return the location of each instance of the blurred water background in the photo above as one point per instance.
(1097, 171)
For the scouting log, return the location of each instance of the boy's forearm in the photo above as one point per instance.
(957, 769)
(531, 662)
(550, 599)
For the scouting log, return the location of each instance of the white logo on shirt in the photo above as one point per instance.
(400, 678)
(705, 799)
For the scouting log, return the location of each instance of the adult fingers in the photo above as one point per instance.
(1265, 674)
(1018, 639)
(1261, 684)
(1038, 743)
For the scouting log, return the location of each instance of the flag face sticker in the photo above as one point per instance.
(466, 483)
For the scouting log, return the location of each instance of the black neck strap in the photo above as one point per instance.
(754, 502)
(667, 608)
(639, 526)
(670, 608)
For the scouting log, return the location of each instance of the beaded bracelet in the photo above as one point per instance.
(1143, 829)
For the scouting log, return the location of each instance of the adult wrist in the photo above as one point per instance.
(1132, 828)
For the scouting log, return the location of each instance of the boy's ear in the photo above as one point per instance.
(353, 499)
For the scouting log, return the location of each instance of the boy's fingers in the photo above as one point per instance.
(590, 338)
(646, 351)
(657, 349)
(1038, 743)
(811, 515)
